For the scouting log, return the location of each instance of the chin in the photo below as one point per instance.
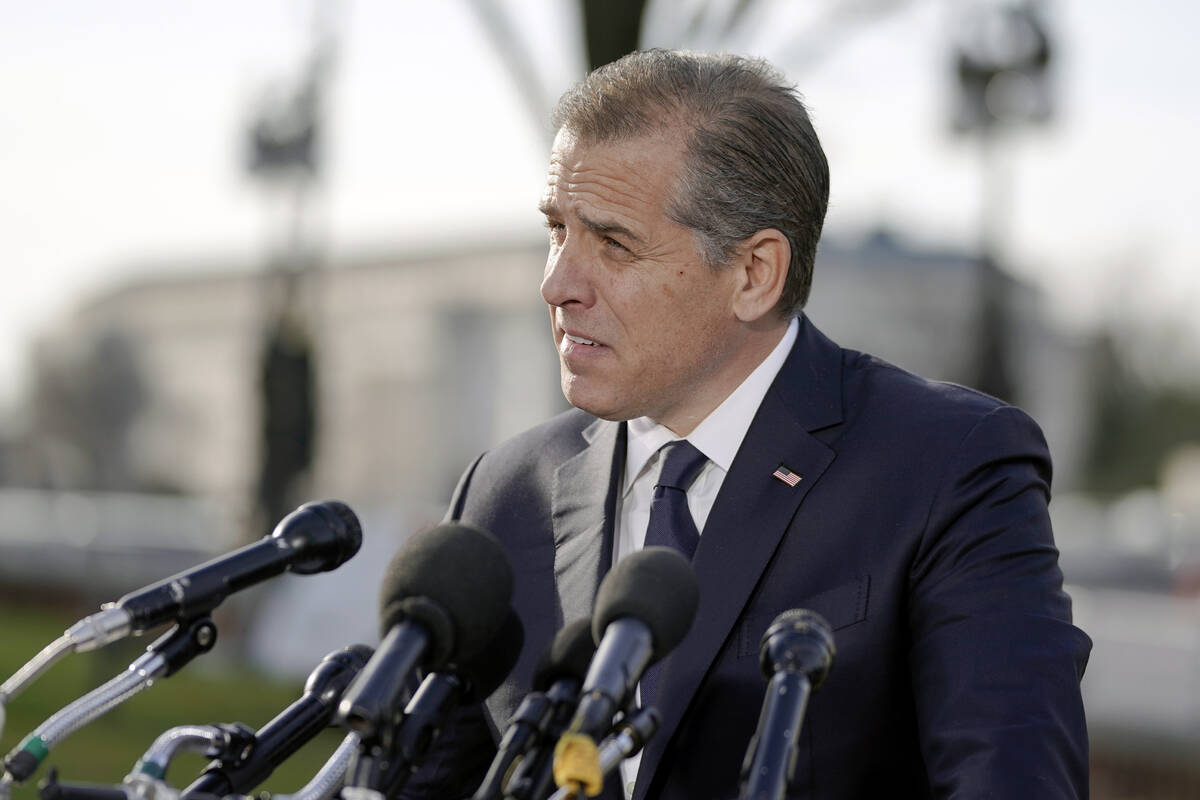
(600, 407)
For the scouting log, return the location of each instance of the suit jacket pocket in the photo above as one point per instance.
(841, 606)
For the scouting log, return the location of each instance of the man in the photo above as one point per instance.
(684, 200)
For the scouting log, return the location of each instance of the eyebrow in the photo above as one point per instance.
(548, 210)
(609, 227)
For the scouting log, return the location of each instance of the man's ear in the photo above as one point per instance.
(762, 265)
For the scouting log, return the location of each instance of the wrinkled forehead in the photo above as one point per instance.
(637, 172)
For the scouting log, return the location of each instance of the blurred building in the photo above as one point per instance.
(394, 420)
(918, 307)
(425, 359)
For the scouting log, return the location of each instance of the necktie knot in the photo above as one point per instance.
(682, 462)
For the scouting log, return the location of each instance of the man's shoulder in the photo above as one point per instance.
(885, 380)
(913, 405)
(557, 438)
(518, 474)
(532, 455)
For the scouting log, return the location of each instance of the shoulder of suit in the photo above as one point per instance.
(519, 472)
(552, 441)
(880, 389)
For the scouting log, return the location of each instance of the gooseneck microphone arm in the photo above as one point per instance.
(523, 730)
(533, 776)
(247, 767)
(330, 776)
(162, 659)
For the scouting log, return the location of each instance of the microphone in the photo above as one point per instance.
(520, 761)
(443, 691)
(276, 741)
(796, 654)
(444, 596)
(644, 608)
(316, 537)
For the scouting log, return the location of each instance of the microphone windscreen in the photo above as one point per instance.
(487, 669)
(456, 580)
(655, 585)
(568, 656)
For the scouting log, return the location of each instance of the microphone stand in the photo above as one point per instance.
(162, 659)
(771, 757)
(534, 774)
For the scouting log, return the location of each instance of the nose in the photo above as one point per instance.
(566, 279)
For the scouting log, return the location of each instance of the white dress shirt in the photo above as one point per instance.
(718, 436)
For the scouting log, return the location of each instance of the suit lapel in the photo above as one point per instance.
(583, 510)
(748, 519)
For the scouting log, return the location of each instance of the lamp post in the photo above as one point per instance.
(284, 157)
(1002, 52)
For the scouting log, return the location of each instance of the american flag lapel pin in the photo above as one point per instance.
(786, 475)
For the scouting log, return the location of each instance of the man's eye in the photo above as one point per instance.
(614, 244)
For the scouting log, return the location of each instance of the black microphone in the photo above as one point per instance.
(316, 537)
(444, 596)
(644, 608)
(443, 691)
(796, 654)
(542, 715)
(276, 741)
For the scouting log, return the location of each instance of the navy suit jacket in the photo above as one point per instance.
(919, 530)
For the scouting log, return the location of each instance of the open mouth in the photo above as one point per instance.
(580, 340)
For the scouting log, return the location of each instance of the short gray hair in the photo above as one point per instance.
(752, 161)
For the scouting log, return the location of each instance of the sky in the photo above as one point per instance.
(122, 140)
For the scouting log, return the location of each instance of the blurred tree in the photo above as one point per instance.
(1138, 423)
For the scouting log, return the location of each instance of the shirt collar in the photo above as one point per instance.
(720, 434)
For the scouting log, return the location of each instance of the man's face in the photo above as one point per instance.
(643, 326)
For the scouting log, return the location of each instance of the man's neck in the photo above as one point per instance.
(757, 347)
